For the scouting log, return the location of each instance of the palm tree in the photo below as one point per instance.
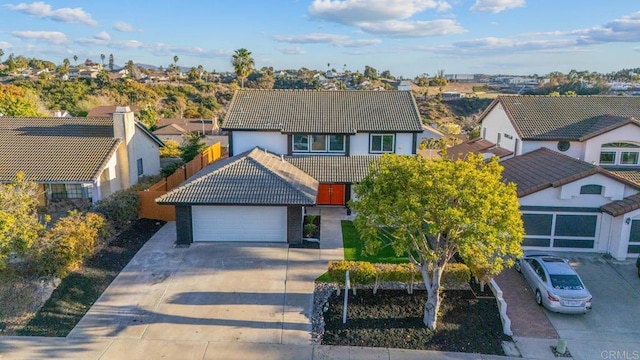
(75, 59)
(175, 67)
(242, 64)
(1, 54)
(102, 57)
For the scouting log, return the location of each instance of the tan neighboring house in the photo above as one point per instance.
(175, 129)
(78, 158)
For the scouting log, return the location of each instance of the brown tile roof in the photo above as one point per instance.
(621, 207)
(573, 118)
(254, 177)
(476, 146)
(108, 110)
(632, 175)
(310, 111)
(544, 168)
(182, 126)
(334, 169)
(55, 149)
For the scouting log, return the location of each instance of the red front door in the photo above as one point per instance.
(331, 194)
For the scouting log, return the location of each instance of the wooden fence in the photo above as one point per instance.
(149, 209)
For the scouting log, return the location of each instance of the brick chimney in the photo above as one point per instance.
(124, 127)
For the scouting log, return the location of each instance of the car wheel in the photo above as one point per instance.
(538, 298)
(517, 266)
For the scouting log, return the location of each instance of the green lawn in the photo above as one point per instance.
(354, 248)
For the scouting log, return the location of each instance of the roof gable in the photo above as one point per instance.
(305, 111)
(574, 118)
(255, 177)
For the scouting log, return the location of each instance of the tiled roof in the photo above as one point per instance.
(254, 177)
(574, 118)
(334, 169)
(181, 126)
(632, 175)
(108, 110)
(544, 168)
(476, 146)
(55, 149)
(310, 111)
(621, 207)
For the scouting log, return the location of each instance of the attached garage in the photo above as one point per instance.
(251, 197)
(240, 223)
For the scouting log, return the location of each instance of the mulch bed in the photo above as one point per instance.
(393, 319)
(80, 289)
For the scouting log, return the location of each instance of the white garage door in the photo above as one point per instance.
(240, 223)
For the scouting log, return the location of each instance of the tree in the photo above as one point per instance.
(102, 57)
(131, 69)
(242, 64)
(19, 225)
(75, 59)
(16, 101)
(370, 73)
(103, 78)
(191, 146)
(1, 54)
(111, 62)
(429, 210)
(148, 117)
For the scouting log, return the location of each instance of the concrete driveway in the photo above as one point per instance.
(610, 331)
(218, 292)
(613, 325)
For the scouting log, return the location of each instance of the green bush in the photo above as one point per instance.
(120, 209)
(360, 272)
(455, 275)
(65, 246)
(309, 229)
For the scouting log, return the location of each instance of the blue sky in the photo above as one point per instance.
(407, 37)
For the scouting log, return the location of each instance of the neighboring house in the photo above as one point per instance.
(175, 129)
(477, 146)
(290, 149)
(78, 158)
(586, 150)
(429, 132)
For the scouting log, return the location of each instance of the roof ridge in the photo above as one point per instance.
(280, 177)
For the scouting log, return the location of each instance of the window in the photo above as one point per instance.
(563, 145)
(591, 190)
(300, 142)
(318, 143)
(620, 153)
(66, 191)
(560, 230)
(140, 167)
(499, 138)
(507, 136)
(382, 143)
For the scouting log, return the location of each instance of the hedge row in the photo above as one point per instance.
(455, 275)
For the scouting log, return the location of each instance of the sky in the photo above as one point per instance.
(407, 37)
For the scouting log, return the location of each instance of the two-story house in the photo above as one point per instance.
(290, 149)
(576, 162)
(78, 158)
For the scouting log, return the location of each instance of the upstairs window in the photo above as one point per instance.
(591, 190)
(382, 143)
(140, 167)
(318, 143)
(620, 153)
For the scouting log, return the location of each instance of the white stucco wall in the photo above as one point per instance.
(359, 143)
(628, 133)
(497, 122)
(148, 150)
(272, 141)
(576, 148)
(109, 180)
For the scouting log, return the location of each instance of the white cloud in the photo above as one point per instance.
(625, 29)
(5, 45)
(386, 17)
(126, 44)
(44, 10)
(292, 50)
(102, 35)
(496, 6)
(52, 37)
(358, 43)
(123, 27)
(395, 28)
(313, 38)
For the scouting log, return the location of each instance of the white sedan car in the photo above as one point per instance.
(555, 283)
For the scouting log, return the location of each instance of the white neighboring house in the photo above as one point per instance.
(576, 162)
(78, 158)
(290, 149)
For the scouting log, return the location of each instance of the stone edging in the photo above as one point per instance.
(502, 308)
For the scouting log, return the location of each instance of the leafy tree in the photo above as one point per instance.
(370, 72)
(387, 75)
(1, 54)
(15, 101)
(111, 62)
(131, 69)
(148, 117)
(242, 64)
(429, 210)
(191, 146)
(102, 57)
(19, 225)
(103, 78)
(450, 128)
(439, 80)
(171, 149)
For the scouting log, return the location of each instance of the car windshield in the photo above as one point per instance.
(566, 282)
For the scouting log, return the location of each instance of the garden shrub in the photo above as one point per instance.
(455, 275)
(120, 209)
(360, 272)
(65, 246)
(309, 229)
